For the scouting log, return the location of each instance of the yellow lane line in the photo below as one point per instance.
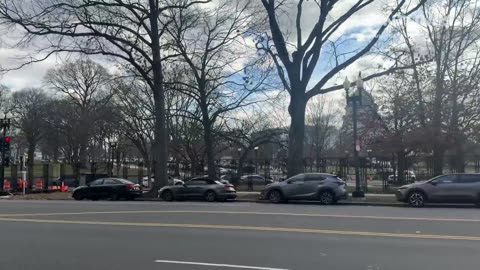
(248, 228)
(241, 213)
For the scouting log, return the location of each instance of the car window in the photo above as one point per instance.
(111, 182)
(314, 177)
(470, 178)
(96, 182)
(124, 181)
(297, 178)
(197, 182)
(446, 179)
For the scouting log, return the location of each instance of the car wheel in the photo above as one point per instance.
(77, 196)
(416, 199)
(167, 195)
(210, 196)
(275, 196)
(326, 197)
(114, 197)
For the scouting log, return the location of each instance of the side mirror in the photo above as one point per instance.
(184, 185)
(434, 183)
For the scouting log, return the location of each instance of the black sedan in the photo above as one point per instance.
(199, 188)
(108, 188)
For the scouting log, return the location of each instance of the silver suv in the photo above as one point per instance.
(450, 188)
(326, 188)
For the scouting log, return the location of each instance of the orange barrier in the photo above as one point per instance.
(64, 188)
(21, 183)
(39, 184)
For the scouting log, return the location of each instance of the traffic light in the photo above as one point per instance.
(5, 144)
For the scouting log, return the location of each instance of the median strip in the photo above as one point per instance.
(249, 228)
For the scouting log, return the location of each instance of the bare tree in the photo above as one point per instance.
(28, 107)
(127, 30)
(136, 107)
(446, 89)
(86, 85)
(225, 70)
(4, 97)
(321, 120)
(247, 133)
(298, 57)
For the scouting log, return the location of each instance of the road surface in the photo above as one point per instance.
(60, 235)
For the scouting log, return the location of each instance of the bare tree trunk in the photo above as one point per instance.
(31, 156)
(160, 145)
(177, 167)
(296, 136)
(401, 167)
(210, 152)
(459, 157)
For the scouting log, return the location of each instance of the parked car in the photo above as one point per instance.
(107, 188)
(171, 181)
(450, 188)
(409, 177)
(256, 180)
(326, 188)
(199, 188)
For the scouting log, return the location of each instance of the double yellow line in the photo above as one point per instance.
(246, 228)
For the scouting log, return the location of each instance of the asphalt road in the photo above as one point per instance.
(60, 235)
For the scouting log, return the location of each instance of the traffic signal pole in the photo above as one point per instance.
(4, 124)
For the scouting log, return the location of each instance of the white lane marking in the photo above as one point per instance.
(220, 265)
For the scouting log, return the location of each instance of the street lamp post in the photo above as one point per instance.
(355, 99)
(4, 124)
(256, 159)
(112, 146)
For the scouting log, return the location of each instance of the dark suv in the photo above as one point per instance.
(450, 188)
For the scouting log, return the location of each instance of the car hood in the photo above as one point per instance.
(412, 185)
(80, 187)
(276, 184)
(170, 187)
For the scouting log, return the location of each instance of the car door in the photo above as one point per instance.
(94, 190)
(294, 187)
(112, 186)
(309, 190)
(258, 180)
(445, 188)
(470, 190)
(194, 188)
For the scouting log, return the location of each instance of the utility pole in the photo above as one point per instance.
(355, 99)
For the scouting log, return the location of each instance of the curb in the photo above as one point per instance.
(360, 203)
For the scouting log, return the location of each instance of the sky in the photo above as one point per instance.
(359, 29)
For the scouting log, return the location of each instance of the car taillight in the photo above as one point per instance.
(130, 186)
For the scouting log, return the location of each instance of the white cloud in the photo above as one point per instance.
(29, 76)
